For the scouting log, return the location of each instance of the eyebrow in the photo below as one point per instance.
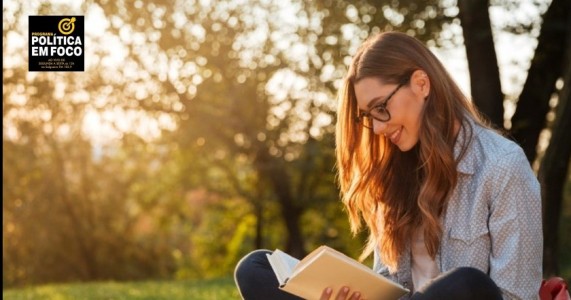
(375, 100)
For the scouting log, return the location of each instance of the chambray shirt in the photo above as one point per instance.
(493, 219)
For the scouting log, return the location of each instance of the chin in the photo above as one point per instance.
(405, 147)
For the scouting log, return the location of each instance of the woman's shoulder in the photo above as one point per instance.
(493, 144)
(488, 149)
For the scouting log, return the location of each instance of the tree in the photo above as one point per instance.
(235, 103)
(555, 165)
(73, 211)
(549, 65)
(478, 39)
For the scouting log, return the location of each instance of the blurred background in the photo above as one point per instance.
(201, 130)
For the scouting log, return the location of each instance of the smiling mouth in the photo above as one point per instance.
(394, 136)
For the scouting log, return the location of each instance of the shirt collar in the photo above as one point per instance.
(468, 162)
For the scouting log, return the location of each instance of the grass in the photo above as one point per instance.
(214, 289)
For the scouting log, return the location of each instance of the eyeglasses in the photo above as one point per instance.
(378, 112)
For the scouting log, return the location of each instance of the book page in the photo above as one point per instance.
(283, 265)
(289, 262)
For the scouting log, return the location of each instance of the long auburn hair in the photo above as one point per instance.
(396, 192)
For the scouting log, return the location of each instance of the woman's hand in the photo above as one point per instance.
(342, 295)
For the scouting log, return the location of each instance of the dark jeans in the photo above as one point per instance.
(256, 280)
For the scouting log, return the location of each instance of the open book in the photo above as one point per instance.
(326, 267)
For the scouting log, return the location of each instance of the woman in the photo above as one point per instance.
(453, 208)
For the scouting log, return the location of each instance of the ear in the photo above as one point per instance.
(420, 83)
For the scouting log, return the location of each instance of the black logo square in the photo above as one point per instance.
(56, 43)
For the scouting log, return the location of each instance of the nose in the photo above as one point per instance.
(379, 127)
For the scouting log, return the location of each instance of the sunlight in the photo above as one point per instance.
(110, 125)
(105, 126)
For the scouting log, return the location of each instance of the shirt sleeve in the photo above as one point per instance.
(516, 228)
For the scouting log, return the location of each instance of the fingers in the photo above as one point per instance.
(326, 294)
(355, 296)
(342, 295)
(344, 292)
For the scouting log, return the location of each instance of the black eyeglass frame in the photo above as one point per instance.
(383, 105)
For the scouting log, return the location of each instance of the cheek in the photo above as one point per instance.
(409, 112)
(413, 119)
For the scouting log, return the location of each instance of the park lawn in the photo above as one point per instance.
(214, 289)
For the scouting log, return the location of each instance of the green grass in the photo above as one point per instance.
(172, 290)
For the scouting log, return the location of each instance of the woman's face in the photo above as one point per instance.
(405, 107)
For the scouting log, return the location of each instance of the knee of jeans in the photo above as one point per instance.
(252, 261)
(470, 273)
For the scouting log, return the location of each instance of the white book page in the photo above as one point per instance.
(289, 261)
(283, 265)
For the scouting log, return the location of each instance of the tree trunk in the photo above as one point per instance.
(272, 171)
(292, 216)
(553, 170)
(545, 69)
(88, 270)
(485, 82)
(259, 211)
